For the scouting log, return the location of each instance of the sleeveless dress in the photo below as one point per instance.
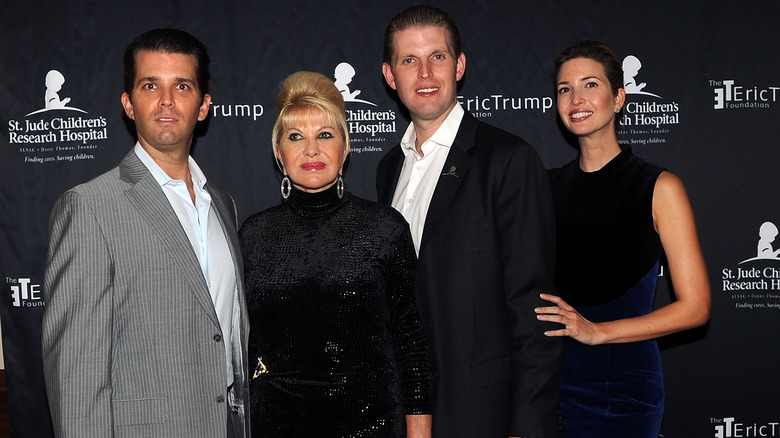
(607, 268)
(330, 291)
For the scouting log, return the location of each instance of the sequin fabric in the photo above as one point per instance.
(330, 290)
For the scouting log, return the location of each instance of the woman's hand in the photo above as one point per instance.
(576, 326)
(419, 426)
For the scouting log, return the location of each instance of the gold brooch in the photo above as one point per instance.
(259, 369)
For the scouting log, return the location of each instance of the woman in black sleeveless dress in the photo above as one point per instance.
(615, 213)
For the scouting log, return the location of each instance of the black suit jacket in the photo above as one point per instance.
(487, 251)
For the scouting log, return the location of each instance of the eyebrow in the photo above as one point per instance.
(409, 55)
(583, 79)
(179, 80)
(432, 52)
(296, 128)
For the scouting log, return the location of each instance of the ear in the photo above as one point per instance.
(620, 98)
(128, 106)
(280, 163)
(460, 66)
(344, 160)
(204, 108)
(387, 72)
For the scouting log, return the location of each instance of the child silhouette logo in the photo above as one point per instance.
(54, 81)
(343, 74)
(52, 100)
(631, 66)
(767, 233)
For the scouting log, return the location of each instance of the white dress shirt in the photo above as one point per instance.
(420, 174)
(203, 229)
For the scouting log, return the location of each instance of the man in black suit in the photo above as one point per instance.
(479, 206)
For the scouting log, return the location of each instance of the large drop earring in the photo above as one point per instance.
(340, 187)
(286, 187)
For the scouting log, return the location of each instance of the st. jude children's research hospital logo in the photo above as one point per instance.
(366, 124)
(58, 132)
(754, 283)
(647, 117)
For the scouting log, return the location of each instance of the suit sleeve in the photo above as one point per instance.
(526, 224)
(77, 322)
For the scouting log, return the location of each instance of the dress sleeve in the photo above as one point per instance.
(409, 340)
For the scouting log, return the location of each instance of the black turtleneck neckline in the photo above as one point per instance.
(316, 204)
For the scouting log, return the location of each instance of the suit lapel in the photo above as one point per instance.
(452, 175)
(227, 219)
(227, 216)
(389, 176)
(145, 194)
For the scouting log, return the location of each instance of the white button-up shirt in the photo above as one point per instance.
(420, 173)
(203, 229)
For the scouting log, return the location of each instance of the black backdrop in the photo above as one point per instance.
(708, 112)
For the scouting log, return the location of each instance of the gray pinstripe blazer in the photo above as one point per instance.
(131, 343)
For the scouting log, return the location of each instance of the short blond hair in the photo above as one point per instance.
(300, 94)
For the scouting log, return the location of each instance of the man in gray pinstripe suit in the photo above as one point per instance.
(145, 328)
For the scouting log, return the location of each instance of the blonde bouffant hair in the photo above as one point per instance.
(302, 94)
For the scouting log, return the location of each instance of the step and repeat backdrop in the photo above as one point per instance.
(703, 88)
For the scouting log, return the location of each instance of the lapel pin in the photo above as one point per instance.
(451, 172)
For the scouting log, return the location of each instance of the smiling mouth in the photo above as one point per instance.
(581, 114)
(428, 90)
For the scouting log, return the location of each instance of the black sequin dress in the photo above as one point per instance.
(330, 290)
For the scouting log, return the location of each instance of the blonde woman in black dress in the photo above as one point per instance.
(336, 335)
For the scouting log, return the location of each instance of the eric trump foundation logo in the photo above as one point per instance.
(731, 94)
(24, 293)
(731, 427)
